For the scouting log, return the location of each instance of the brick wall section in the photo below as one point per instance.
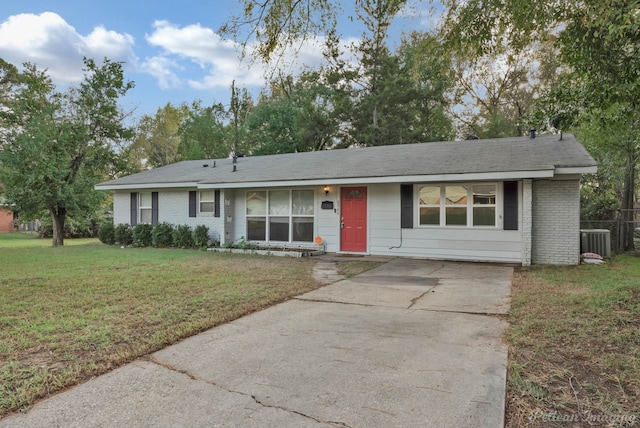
(556, 222)
(121, 207)
(173, 208)
(526, 223)
(6, 220)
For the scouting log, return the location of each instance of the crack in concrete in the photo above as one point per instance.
(415, 299)
(321, 421)
(303, 299)
(486, 314)
(253, 397)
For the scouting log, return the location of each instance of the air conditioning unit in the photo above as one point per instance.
(596, 241)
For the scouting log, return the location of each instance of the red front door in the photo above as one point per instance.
(353, 222)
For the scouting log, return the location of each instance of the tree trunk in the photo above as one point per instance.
(58, 218)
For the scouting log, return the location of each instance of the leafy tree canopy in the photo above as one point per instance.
(57, 145)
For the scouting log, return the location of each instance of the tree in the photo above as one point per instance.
(399, 97)
(278, 24)
(599, 41)
(319, 116)
(416, 85)
(202, 133)
(495, 93)
(58, 145)
(271, 125)
(296, 115)
(239, 109)
(157, 136)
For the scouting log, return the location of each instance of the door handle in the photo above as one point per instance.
(341, 225)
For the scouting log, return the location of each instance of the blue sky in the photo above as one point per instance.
(170, 48)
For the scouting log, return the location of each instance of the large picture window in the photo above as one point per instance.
(280, 215)
(462, 205)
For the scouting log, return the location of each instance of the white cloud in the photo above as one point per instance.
(48, 41)
(162, 69)
(219, 58)
(202, 46)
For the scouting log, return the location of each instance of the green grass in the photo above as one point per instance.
(74, 312)
(29, 239)
(574, 342)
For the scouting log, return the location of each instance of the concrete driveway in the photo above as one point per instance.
(412, 343)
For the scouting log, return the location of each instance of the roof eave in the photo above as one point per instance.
(107, 186)
(592, 169)
(483, 176)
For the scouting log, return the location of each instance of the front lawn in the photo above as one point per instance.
(77, 311)
(574, 346)
(31, 239)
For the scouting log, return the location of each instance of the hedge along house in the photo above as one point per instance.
(500, 200)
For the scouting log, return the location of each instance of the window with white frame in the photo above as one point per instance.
(462, 205)
(144, 208)
(207, 201)
(280, 215)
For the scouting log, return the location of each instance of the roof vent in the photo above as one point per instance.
(472, 137)
(235, 168)
(205, 165)
(532, 133)
(214, 164)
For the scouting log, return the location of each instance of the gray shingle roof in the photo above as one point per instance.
(504, 155)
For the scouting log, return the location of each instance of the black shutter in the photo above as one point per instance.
(154, 207)
(134, 208)
(192, 204)
(216, 204)
(406, 206)
(510, 190)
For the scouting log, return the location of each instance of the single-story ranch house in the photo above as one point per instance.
(499, 200)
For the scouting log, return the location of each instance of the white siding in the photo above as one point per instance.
(173, 208)
(227, 201)
(384, 230)
(239, 215)
(548, 224)
(328, 221)
(387, 238)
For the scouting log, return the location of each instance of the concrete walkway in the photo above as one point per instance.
(412, 343)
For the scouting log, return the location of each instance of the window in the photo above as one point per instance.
(484, 205)
(429, 205)
(207, 201)
(456, 205)
(257, 216)
(466, 205)
(280, 215)
(144, 208)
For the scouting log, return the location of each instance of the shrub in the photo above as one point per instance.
(143, 235)
(74, 227)
(162, 235)
(201, 237)
(123, 234)
(106, 233)
(183, 236)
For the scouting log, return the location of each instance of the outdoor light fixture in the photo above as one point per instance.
(326, 190)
